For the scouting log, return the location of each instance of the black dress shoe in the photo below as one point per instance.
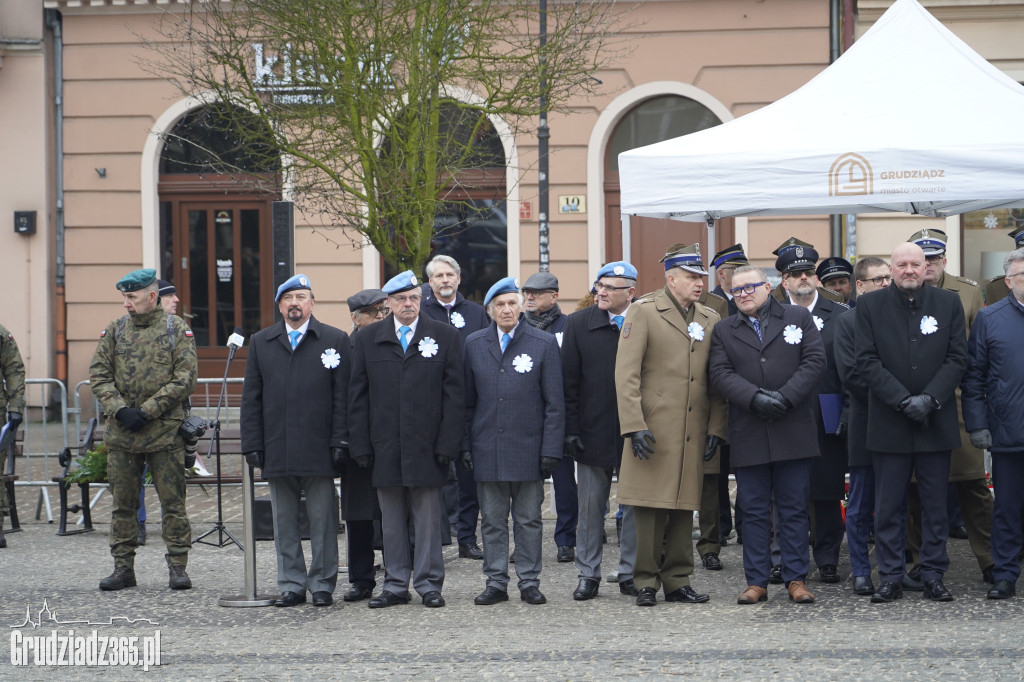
(1003, 589)
(686, 595)
(433, 600)
(471, 552)
(512, 557)
(386, 599)
(936, 591)
(888, 591)
(648, 596)
(322, 599)
(986, 575)
(628, 588)
(357, 593)
(912, 579)
(958, 532)
(566, 554)
(491, 595)
(862, 585)
(775, 577)
(587, 589)
(829, 573)
(290, 599)
(739, 538)
(532, 595)
(711, 562)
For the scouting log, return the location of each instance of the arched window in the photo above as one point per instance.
(207, 142)
(657, 119)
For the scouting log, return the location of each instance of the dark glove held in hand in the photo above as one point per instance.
(981, 439)
(783, 400)
(710, 446)
(255, 459)
(15, 419)
(917, 407)
(131, 418)
(363, 461)
(443, 460)
(548, 465)
(766, 407)
(643, 444)
(573, 445)
(466, 460)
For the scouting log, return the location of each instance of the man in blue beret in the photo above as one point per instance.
(407, 413)
(513, 380)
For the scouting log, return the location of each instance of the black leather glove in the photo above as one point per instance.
(643, 444)
(917, 407)
(782, 399)
(548, 465)
(363, 461)
(14, 419)
(573, 445)
(710, 446)
(841, 428)
(767, 407)
(443, 460)
(190, 460)
(255, 459)
(339, 457)
(131, 418)
(981, 439)
(466, 460)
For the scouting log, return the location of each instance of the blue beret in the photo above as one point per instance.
(796, 259)
(293, 282)
(507, 285)
(136, 279)
(619, 268)
(932, 242)
(834, 267)
(403, 281)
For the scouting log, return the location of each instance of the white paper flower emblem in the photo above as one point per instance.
(929, 325)
(330, 358)
(695, 331)
(818, 322)
(522, 363)
(793, 334)
(458, 321)
(558, 337)
(427, 347)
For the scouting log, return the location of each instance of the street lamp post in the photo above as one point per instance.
(542, 147)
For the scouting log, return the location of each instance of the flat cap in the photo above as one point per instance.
(136, 279)
(791, 243)
(796, 259)
(730, 255)
(292, 283)
(834, 267)
(541, 281)
(165, 288)
(506, 285)
(619, 268)
(403, 281)
(932, 242)
(364, 298)
(1018, 236)
(686, 257)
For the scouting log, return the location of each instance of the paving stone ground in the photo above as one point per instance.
(608, 638)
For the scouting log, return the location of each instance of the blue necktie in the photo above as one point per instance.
(619, 319)
(505, 338)
(757, 327)
(402, 331)
(294, 336)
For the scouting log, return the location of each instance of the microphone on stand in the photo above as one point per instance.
(235, 341)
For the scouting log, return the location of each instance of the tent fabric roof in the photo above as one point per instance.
(909, 119)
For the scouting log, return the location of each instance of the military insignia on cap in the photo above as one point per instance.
(516, 282)
(413, 280)
(619, 270)
(303, 281)
(799, 252)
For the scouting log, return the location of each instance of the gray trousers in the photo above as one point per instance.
(424, 506)
(594, 485)
(322, 510)
(524, 498)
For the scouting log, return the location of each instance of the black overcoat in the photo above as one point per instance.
(854, 388)
(358, 496)
(828, 472)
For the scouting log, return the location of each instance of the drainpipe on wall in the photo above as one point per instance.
(53, 23)
(835, 19)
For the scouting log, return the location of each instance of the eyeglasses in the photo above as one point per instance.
(936, 258)
(878, 281)
(1015, 274)
(799, 274)
(507, 304)
(376, 312)
(598, 286)
(413, 298)
(531, 293)
(747, 289)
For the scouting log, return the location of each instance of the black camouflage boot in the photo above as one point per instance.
(121, 578)
(179, 578)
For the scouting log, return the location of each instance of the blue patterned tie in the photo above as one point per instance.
(619, 319)
(505, 338)
(294, 336)
(402, 331)
(757, 327)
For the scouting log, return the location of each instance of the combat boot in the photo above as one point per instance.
(142, 534)
(121, 578)
(179, 578)
(3, 541)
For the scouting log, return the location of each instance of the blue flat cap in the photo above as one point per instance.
(796, 259)
(932, 242)
(136, 279)
(403, 281)
(619, 268)
(292, 283)
(685, 257)
(834, 267)
(506, 285)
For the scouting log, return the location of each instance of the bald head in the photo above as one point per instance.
(908, 267)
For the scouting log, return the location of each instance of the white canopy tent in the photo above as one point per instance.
(909, 119)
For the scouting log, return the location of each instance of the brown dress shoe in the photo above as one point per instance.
(799, 593)
(752, 595)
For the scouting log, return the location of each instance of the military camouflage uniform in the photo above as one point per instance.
(136, 366)
(12, 397)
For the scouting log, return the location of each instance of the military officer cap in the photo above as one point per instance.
(165, 288)
(403, 281)
(619, 268)
(365, 299)
(506, 285)
(932, 242)
(730, 255)
(136, 279)
(789, 245)
(541, 281)
(1018, 236)
(834, 267)
(291, 284)
(685, 257)
(796, 259)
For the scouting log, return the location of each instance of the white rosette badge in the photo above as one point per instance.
(793, 334)
(929, 325)
(427, 347)
(695, 331)
(458, 321)
(522, 363)
(818, 322)
(330, 358)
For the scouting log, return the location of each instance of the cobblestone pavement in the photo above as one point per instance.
(608, 638)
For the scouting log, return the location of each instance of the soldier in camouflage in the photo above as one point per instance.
(12, 405)
(142, 371)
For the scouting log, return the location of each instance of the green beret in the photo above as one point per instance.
(137, 279)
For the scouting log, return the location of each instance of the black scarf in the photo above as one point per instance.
(543, 320)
